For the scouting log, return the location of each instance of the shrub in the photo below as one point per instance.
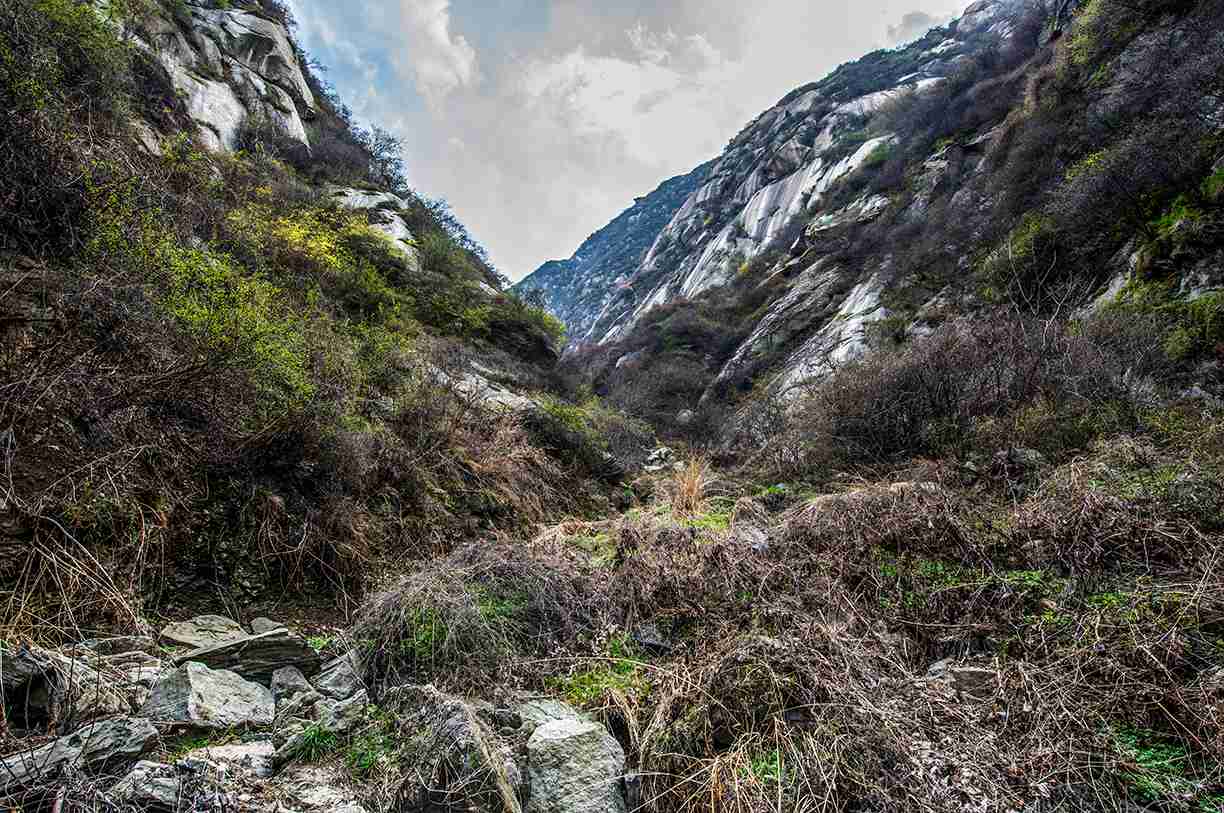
(943, 393)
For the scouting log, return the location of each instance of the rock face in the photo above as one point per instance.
(228, 65)
(575, 767)
(208, 699)
(257, 657)
(105, 746)
(577, 289)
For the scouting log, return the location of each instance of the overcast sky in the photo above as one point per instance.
(540, 120)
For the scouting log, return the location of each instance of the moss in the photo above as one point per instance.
(619, 671)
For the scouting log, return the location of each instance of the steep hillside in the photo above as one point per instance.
(576, 290)
(1027, 154)
(241, 356)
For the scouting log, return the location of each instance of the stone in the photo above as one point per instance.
(202, 631)
(261, 625)
(252, 759)
(38, 687)
(339, 678)
(212, 699)
(151, 786)
(110, 746)
(257, 657)
(685, 417)
(575, 766)
(287, 682)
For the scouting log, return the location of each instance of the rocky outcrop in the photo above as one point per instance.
(576, 290)
(40, 688)
(228, 65)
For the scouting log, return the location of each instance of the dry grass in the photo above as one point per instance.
(690, 487)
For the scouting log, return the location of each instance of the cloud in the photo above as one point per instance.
(540, 120)
(912, 26)
(439, 61)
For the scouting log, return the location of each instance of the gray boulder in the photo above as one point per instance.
(203, 631)
(108, 746)
(151, 786)
(340, 678)
(257, 657)
(575, 766)
(199, 697)
(287, 682)
(261, 625)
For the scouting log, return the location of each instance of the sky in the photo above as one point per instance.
(541, 120)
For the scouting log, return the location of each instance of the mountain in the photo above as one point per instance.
(910, 186)
(576, 290)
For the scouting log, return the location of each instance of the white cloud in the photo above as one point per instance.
(440, 62)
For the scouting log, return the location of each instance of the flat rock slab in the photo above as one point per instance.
(257, 657)
(107, 746)
(576, 766)
(210, 699)
(203, 631)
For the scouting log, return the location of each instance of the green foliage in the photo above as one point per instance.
(64, 50)
(1162, 769)
(1193, 327)
(619, 671)
(880, 156)
(767, 768)
(318, 743)
(372, 749)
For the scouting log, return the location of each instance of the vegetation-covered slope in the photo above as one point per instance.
(219, 372)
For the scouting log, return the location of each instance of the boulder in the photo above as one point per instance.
(38, 688)
(575, 766)
(287, 682)
(211, 699)
(151, 786)
(340, 678)
(261, 625)
(257, 657)
(108, 746)
(203, 631)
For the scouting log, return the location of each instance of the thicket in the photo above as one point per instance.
(210, 368)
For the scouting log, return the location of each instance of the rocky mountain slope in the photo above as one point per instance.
(578, 289)
(940, 528)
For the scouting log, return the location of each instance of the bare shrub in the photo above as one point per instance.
(970, 378)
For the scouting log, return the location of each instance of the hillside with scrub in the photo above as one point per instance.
(881, 468)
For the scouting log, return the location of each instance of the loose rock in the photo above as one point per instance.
(203, 631)
(575, 766)
(110, 745)
(204, 698)
(257, 657)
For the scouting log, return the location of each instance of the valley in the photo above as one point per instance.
(876, 464)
